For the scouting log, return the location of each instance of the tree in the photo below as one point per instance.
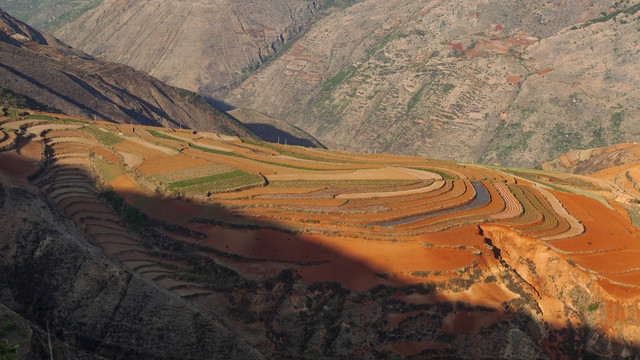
(8, 352)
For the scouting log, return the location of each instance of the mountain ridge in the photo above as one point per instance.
(49, 71)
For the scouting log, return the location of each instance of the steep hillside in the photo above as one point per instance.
(201, 45)
(36, 64)
(257, 249)
(505, 82)
(273, 130)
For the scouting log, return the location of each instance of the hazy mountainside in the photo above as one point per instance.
(47, 14)
(203, 45)
(36, 64)
(506, 82)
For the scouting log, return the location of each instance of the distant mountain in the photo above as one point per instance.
(201, 45)
(37, 65)
(47, 14)
(505, 82)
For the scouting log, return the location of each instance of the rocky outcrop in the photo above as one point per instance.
(566, 296)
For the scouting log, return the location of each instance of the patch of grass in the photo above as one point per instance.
(104, 137)
(214, 151)
(593, 307)
(564, 139)
(415, 99)
(630, 10)
(39, 117)
(231, 183)
(339, 78)
(446, 88)
(10, 99)
(70, 16)
(162, 136)
(108, 171)
(8, 352)
(207, 179)
(633, 215)
(71, 121)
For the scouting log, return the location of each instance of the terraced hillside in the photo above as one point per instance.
(307, 252)
(509, 83)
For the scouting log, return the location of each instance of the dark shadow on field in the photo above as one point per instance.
(272, 134)
(220, 104)
(281, 314)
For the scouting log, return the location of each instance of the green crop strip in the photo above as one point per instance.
(207, 179)
(39, 117)
(214, 151)
(162, 136)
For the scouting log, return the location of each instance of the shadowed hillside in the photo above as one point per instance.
(36, 64)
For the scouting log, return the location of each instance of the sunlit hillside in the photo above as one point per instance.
(384, 242)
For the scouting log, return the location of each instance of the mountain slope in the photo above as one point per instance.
(38, 65)
(201, 45)
(504, 82)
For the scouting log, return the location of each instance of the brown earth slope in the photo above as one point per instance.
(38, 65)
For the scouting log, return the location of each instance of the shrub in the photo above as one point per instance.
(593, 307)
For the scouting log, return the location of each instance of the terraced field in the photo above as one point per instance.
(170, 203)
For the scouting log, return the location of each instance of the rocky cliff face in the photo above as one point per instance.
(38, 65)
(205, 45)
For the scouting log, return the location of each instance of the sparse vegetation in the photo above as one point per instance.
(208, 179)
(162, 135)
(107, 138)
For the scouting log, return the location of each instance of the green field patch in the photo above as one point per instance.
(105, 137)
(70, 121)
(240, 179)
(39, 117)
(341, 183)
(192, 173)
(108, 170)
(214, 151)
(207, 179)
(162, 136)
